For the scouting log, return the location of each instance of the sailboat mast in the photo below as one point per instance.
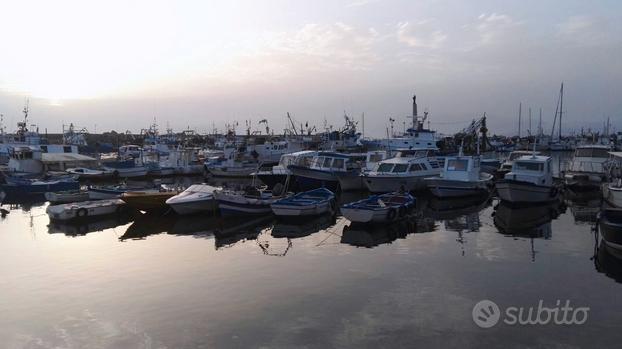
(561, 109)
(520, 106)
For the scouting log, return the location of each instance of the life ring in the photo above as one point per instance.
(401, 212)
(391, 214)
(82, 212)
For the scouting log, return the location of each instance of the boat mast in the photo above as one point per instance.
(561, 109)
(520, 106)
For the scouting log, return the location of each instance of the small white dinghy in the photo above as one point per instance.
(63, 197)
(81, 210)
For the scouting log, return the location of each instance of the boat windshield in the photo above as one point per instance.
(457, 165)
(587, 166)
(338, 163)
(399, 168)
(384, 167)
(528, 166)
(592, 153)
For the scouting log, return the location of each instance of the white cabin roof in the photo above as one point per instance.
(534, 158)
(64, 157)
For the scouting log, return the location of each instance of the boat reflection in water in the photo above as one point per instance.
(459, 215)
(529, 221)
(93, 225)
(584, 209)
(305, 227)
(148, 224)
(232, 231)
(364, 235)
(533, 222)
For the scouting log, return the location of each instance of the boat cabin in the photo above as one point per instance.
(535, 169)
(589, 158)
(462, 168)
(329, 161)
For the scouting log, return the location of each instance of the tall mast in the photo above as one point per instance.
(415, 112)
(530, 121)
(540, 124)
(520, 106)
(561, 109)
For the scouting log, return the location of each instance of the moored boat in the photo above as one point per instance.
(82, 210)
(587, 170)
(22, 186)
(310, 203)
(148, 200)
(461, 176)
(379, 208)
(334, 171)
(251, 201)
(406, 171)
(530, 181)
(87, 173)
(197, 198)
(67, 196)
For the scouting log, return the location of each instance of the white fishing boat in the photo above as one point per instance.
(279, 173)
(406, 171)
(125, 169)
(530, 181)
(310, 203)
(334, 171)
(382, 208)
(197, 198)
(416, 137)
(461, 176)
(232, 168)
(506, 165)
(67, 196)
(87, 173)
(81, 210)
(587, 169)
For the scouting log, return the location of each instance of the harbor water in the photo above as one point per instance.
(207, 282)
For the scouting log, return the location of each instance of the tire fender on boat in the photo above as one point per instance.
(554, 191)
(391, 214)
(82, 212)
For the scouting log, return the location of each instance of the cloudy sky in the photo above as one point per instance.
(118, 64)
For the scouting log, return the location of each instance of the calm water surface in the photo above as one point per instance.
(202, 282)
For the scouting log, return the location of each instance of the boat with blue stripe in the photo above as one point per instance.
(309, 203)
(379, 208)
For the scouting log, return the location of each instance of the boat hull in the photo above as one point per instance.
(83, 210)
(309, 179)
(525, 192)
(610, 226)
(66, 197)
(193, 207)
(39, 189)
(385, 184)
(612, 195)
(444, 188)
(147, 201)
(237, 172)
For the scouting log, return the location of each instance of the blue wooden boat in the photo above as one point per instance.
(309, 203)
(379, 208)
(22, 186)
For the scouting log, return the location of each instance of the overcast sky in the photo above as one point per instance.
(118, 64)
